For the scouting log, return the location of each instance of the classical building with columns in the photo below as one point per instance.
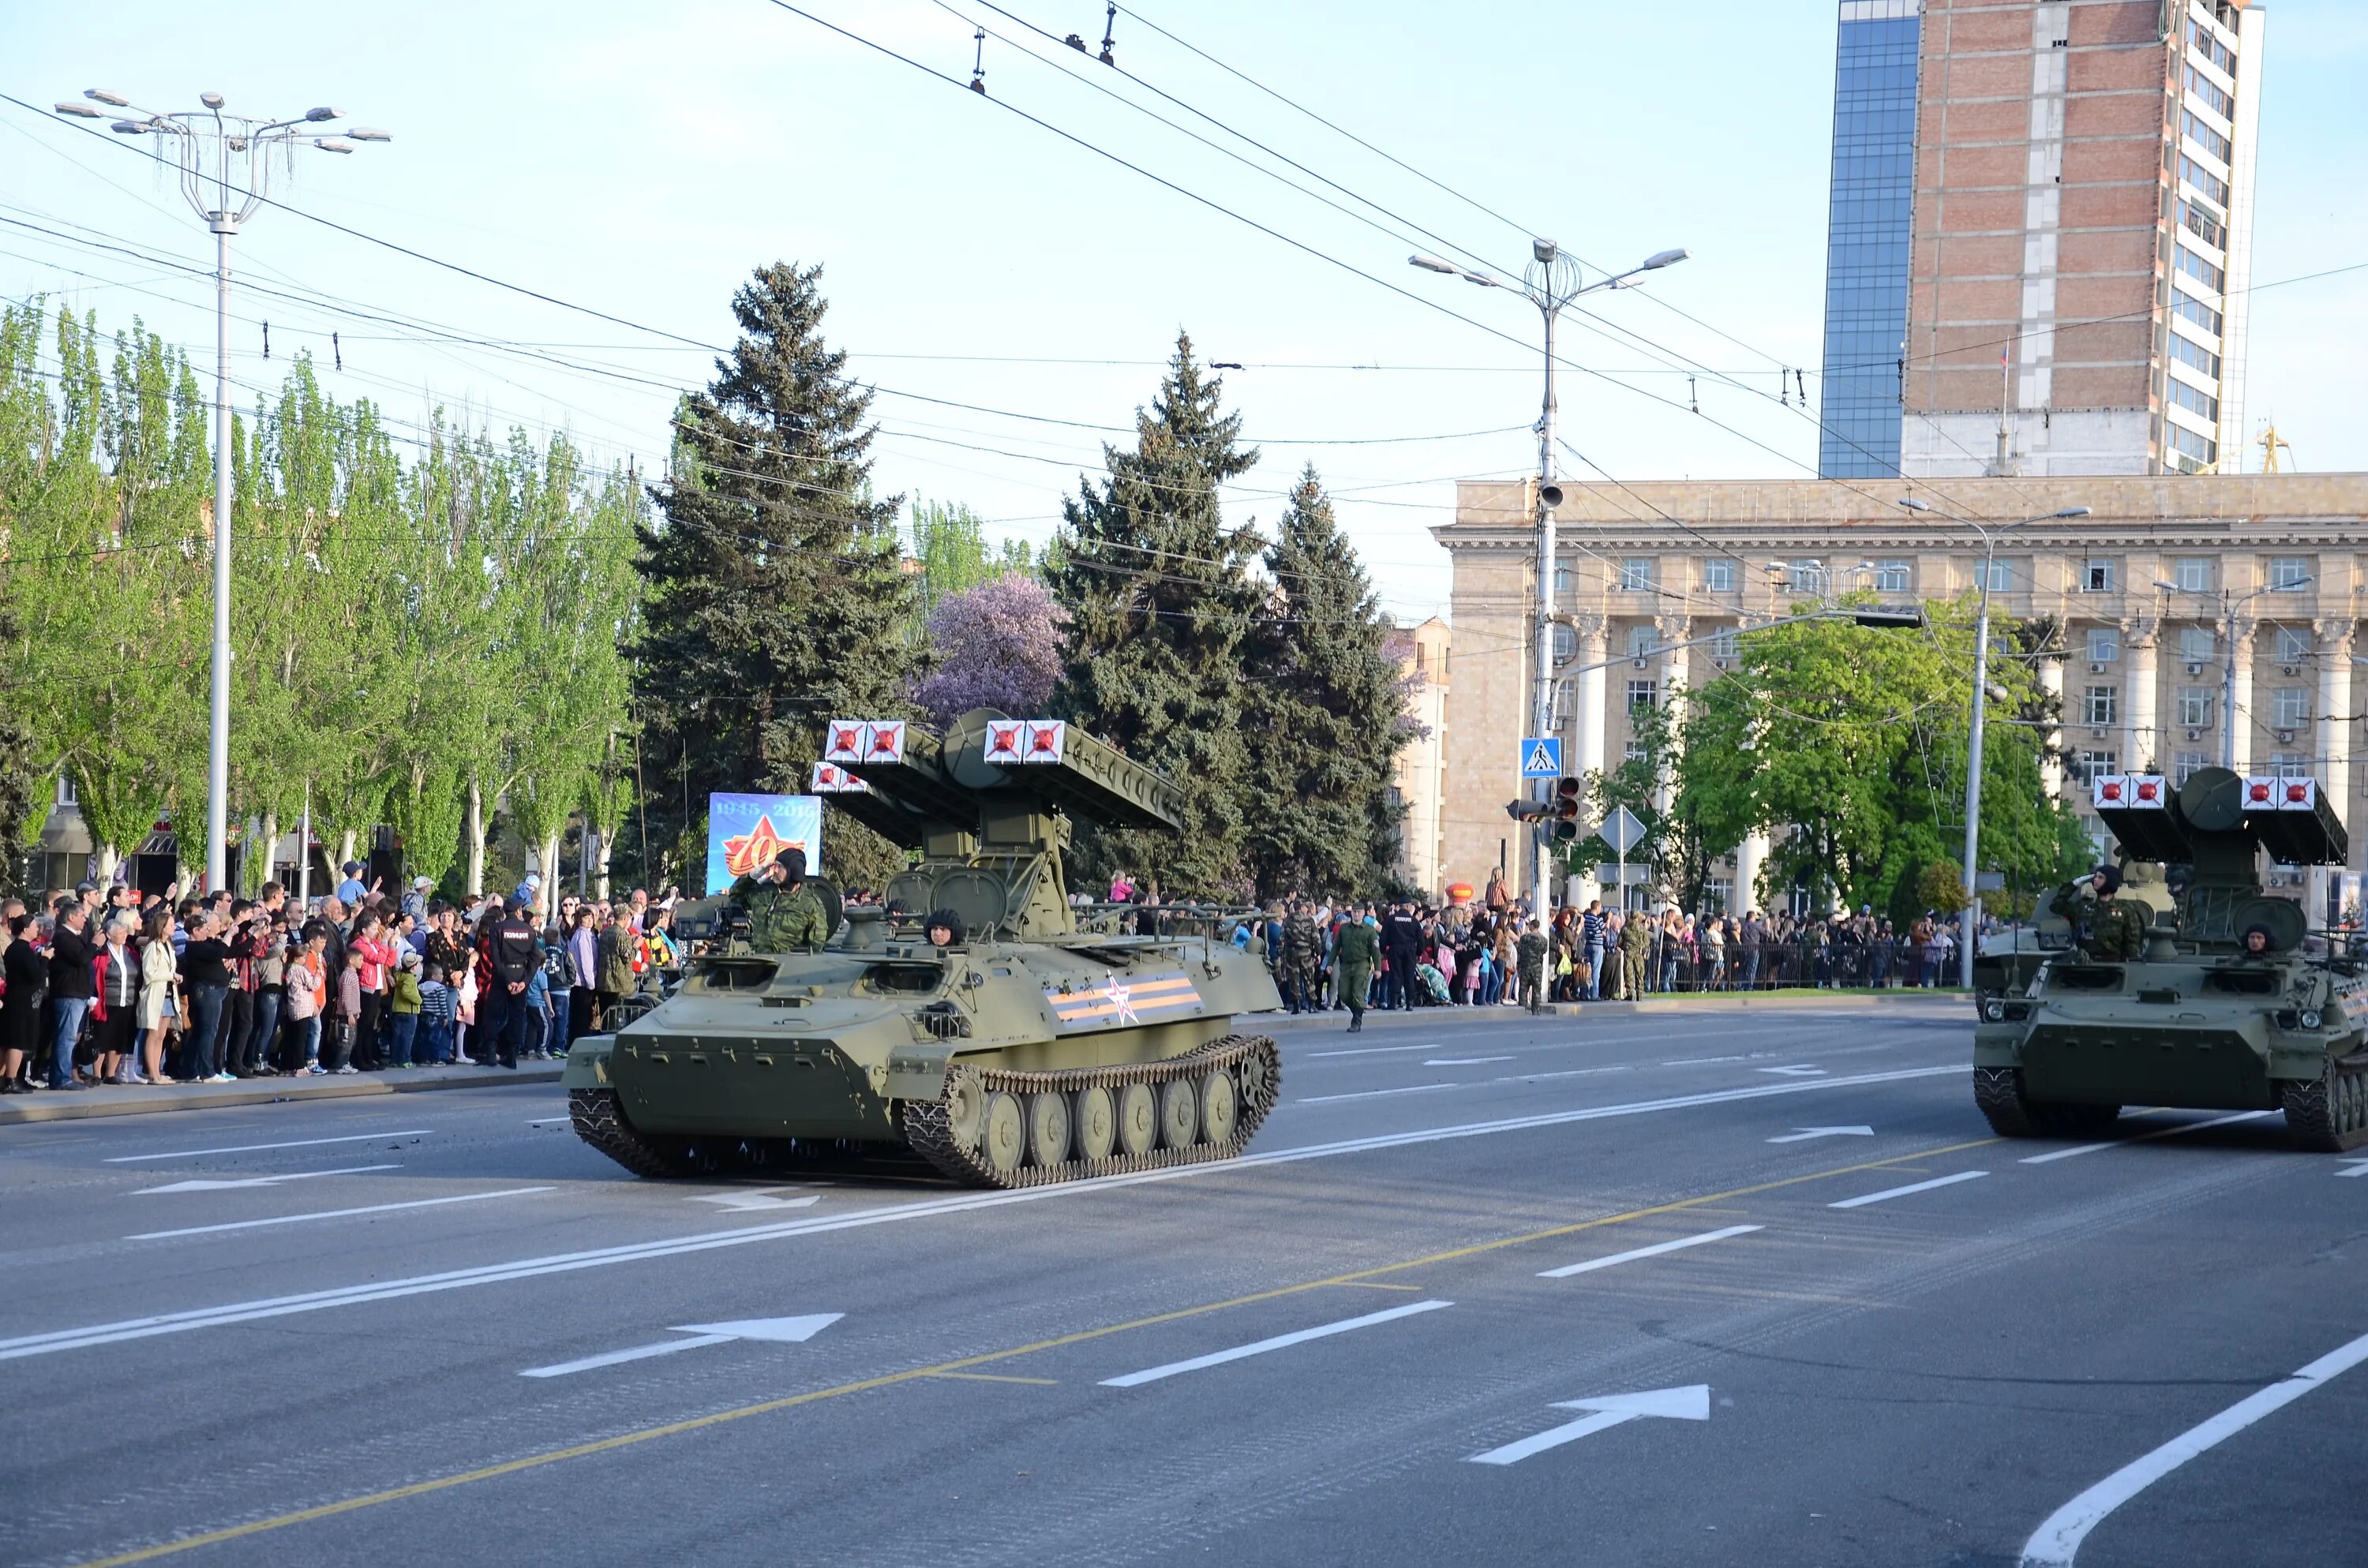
(2166, 580)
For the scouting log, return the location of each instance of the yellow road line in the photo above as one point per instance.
(997, 1378)
(942, 1368)
(1374, 1285)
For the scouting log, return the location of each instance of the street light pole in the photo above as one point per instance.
(1551, 282)
(1971, 916)
(207, 142)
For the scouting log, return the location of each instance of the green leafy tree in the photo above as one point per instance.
(1328, 713)
(1160, 601)
(950, 544)
(776, 596)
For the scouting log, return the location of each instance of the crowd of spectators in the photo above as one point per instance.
(101, 987)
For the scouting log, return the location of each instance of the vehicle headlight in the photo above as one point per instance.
(2310, 1017)
(1993, 1010)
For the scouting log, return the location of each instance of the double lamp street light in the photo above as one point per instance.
(1550, 282)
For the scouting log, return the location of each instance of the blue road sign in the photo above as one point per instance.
(1542, 757)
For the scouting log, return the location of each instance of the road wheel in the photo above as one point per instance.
(1180, 1113)
(1005, 1139)
(1048, 1127)
(1219, 1106)
(965, 1108)
(1095, 1116)
(1138, 1119)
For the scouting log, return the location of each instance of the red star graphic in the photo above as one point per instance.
(745, 852)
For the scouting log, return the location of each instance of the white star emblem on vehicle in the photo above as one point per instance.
(1118, 995)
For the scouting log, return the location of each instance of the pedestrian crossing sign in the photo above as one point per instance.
(1542, 757)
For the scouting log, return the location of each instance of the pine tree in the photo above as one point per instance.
(776, 599)
(1328, 713)
(1160, 600)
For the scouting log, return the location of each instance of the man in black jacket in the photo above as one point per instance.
(70, 991)
(1401, 940)
(516, 956)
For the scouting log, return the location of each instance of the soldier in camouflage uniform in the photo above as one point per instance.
(784, 913)
(1302, 960)
(2105, 929)
(1636, 954)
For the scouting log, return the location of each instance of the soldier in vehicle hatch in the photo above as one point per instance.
(2107, 930)
(784, 914)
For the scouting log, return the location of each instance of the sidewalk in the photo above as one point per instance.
(1705, 1002)
(115, 1099)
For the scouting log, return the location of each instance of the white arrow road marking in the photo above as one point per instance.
(743, 1202)
(1691, 1404)
(1801, 1135)
(2055, 1543)
(88, 1335)
(1218, 1357)
(1891, 1192)
(773, 1331)
(2079, 1149)
(1462, 1061)
(1795, 1071)
(1592, 1263)
(251, 1148)
(207, 1184)
(2359, 1167)
(336, 1213)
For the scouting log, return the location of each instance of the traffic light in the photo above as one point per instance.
(1566, 809)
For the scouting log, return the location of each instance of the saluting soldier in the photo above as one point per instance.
(2106, 928)
(784, 913)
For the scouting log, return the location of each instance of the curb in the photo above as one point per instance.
(1375, 1018)
(139, 1101)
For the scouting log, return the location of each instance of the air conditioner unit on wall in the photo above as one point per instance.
(2283, 736)
(2096, 669)
(2195, 669)
(2289, 669)
(2194, 734)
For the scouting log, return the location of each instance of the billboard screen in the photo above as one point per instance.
(743, 832)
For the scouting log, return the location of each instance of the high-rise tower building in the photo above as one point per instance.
(2082, 228)
(1870, 222)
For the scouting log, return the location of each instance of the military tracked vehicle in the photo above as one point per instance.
(2198, 1020)
(1030, 1052)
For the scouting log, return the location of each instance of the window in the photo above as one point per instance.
(1891, 578)
(1634, 752)
(2287, 764)
(1718, 577)
(2203, 223)
(2194, 356)
(2196, 643)
(2203, 179)
(2288, 573)
(2193, 573)
(66, 796)
(2293, 645)
(2193, 401)
(2290, 708)
(2194, 708)
(1562, 580)
(2196, 310)
(1640, 640)
(2200, 449)
(1727, 644)
(2222, 102)
(2097, 576)
(2202, 271)
(1642, 694)
(1805, 577)
(1565, 644)
(2099, 706)
(2104, 644)
(2189, 761)
(2089, 765)
(2207, 44)
(1994, 576)
(1637, 576)
(2202, 135)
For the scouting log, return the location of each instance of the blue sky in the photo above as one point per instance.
(640, 159)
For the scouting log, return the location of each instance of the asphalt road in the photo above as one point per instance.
(1614, 1259)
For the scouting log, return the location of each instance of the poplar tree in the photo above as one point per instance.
(1329, 710)
(1159, 602)
(776, 596)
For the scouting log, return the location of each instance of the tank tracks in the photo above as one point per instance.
(1997, 1091)
(2329, 1113)
(600, 1122)
(1078, 1124)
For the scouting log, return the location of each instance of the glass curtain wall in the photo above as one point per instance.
(1868, 226)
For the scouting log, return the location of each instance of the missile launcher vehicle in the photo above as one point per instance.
(1028, 1051)
(2223, 1010)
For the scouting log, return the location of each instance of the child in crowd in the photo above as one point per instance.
(307, 984)
(402, 1007)
(348, 1015)
(434, 1017)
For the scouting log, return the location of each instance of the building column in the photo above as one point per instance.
(2051, 741)
(2138, 753)
(1749, 856)
(1671, 630)
(1587, 719)
(2239, 718)
(2331, 764)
